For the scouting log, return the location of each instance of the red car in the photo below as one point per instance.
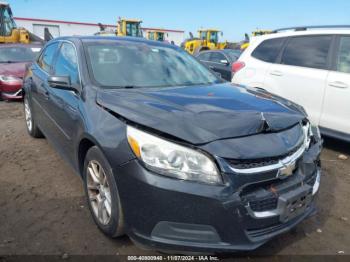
(13, 61)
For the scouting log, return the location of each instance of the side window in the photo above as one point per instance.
(67, 63)
(307, 51)
(343, 61)
(204, 57)
(46, 58)
(216, 57)
(268, 50)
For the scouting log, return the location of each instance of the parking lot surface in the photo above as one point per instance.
(43, 209)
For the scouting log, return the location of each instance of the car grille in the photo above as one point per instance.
(258, 202)
(261, 162)
(266, 204)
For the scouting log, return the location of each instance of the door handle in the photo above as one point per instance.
(276, 73)
(338, 84)
(211, 67)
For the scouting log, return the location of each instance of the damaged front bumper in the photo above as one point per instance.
(244, 213)
(18, 95)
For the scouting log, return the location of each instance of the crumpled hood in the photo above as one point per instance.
(202, 114)
(13, 69)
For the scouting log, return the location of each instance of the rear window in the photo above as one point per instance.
(307, 51)
(217, 57)
(268, 50)
(204, 56)
(233, 54)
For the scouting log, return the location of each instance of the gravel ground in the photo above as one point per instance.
(43, 210)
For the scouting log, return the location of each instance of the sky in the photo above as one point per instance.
(233, 17)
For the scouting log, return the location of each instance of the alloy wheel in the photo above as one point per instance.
(99, 192)
(28, 115)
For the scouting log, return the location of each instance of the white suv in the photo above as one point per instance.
(309, 66)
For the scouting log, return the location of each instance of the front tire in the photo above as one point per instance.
(32, 128)
(102, 194)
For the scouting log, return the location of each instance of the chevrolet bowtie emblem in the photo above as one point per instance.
(287, 170)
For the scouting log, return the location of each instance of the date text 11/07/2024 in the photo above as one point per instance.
(173, 258)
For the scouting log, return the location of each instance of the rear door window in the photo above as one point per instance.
(307, 51)
(269, 49)
(343, 60)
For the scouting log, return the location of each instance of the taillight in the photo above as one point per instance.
(236, 66)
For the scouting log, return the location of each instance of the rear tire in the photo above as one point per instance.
(32, 128)
(102, 194)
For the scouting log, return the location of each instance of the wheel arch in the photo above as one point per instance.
(85, 144)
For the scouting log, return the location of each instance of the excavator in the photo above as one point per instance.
(156, 35)
(208, 40)
(9, 32)
(129, 27)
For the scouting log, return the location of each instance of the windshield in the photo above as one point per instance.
(214, 37)
(133, 29)
(18, 54)
(130, 64)
(203, 35)
(151, 36)
(160, 36)
(8, 22)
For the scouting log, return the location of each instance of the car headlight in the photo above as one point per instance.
(9, 78)
(172, 160)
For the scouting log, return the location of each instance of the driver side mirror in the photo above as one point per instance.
(61, 82)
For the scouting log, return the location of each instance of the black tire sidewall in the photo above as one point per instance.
(115, 226)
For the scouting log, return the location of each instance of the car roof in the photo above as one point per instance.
(98, 38)
(221, 50)
(318, 31)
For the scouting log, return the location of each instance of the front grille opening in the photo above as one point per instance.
(259, 162)
(266, 204)
(264, 196)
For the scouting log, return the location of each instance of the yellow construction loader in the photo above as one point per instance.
(257, 32)
(9, 33)
(208, 40)
(156, 35)
(129, 27)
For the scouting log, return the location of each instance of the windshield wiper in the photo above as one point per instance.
(7, 62)
(123, 87)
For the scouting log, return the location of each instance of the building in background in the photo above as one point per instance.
(65, 28)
